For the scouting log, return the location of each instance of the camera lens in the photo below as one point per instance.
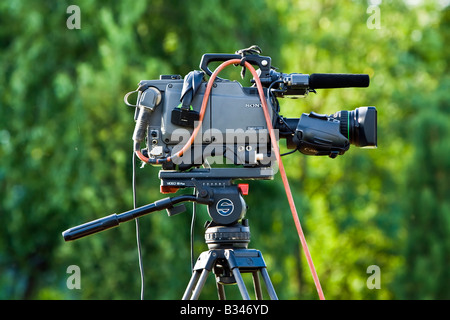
(359, 126)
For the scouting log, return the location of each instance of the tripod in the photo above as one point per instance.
(228, 257)
(227, 238)
(227, 235)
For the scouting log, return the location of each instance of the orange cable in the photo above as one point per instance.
(275, 147)
(285, 182)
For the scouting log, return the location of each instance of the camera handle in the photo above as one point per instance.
(114, 220)
(214, 188)
(263, 62)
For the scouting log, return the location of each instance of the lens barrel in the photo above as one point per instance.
(359, 126)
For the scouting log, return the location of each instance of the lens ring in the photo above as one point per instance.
(344, 123)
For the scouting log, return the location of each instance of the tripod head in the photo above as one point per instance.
(227, 205)
(215, 188)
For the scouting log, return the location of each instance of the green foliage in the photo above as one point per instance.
(65, 146)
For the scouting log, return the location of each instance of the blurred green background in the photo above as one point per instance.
(65, 146)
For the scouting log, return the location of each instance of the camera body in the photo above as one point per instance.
(233, 128)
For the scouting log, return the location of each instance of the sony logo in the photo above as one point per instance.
(253, 105)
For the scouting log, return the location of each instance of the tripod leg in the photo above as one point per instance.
(195, 285)
(229, 255)
(220, 291)
(240, 283)
(191, 285)
(257, 285)
(202, 268)
(269, 286)
(200, 284)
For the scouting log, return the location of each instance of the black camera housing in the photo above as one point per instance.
(234, 126)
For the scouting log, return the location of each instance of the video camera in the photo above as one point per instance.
(233, 126)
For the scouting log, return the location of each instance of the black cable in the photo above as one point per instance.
(138, 238)
(194, 211)
(290, 152)
(276, 111)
